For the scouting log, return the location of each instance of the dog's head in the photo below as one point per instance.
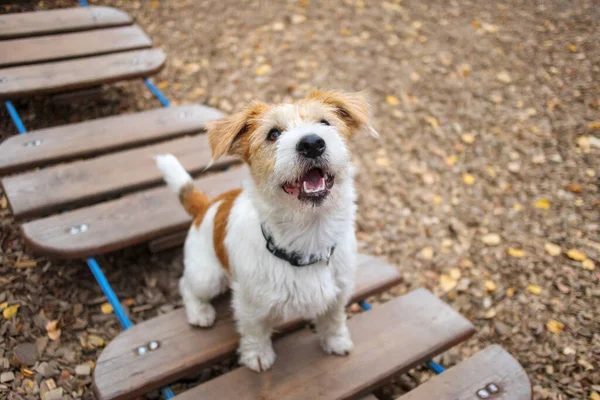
(296, 152)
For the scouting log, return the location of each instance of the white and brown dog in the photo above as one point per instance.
(285, 242)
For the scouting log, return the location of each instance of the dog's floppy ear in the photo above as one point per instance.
(352, 108)
(227, 135)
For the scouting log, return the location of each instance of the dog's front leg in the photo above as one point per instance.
(333, 332)
(256, 349)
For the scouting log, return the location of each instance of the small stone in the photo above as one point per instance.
(514, 166)
(83, 370)
(25, 354)
(538, 159)
(4, 364)
(298, 19)
(426, 253)
(491, 239)
(7, 377)
(504, 77)
(46, 370)
(501, 328)
(54, 394)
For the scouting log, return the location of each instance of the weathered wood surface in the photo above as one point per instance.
(390, 339)
(79, 73)
(492, 365)
(70, 45)
(61, 20)
(83, 139)
(122, 374)
(87, 181)
(120, 223)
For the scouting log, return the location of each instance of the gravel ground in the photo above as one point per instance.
(483, 187)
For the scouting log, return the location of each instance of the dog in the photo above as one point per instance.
(285, 242)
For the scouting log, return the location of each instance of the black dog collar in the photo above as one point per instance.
(294, 258)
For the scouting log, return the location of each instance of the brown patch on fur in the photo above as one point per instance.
(229, 135)
(220, 225)
(351, 108)
(194, 201)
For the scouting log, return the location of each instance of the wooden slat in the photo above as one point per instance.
(120, 223)
(79, 73)
(70, 45)
(121, 374)
(62, 20)
(388, 340)
(84, 182)
(102, 135)
(461, 382)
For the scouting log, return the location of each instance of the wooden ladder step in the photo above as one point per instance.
(492, 371)
(122, 374)
(83, 139)
(390, 339)
(120, 223)
(70, 45)
(62, 20)
(87, 181)
(79, 73)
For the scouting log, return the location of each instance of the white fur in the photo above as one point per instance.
(173, 172)
(266, 289)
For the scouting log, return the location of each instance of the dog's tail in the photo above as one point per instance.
(193, 200)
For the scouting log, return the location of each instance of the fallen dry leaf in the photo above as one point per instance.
(489, 285)
(432, 121)
(383, 161)
(392, 100)
(576, 255)
(491, 239)
(468, 138)
(10, 311)
(585, 364)
(573, 187)
(426, 253)
(594, 396)
(588, 264)
(53, 330)
(594, 125)
(455, 273)
(451, 160)
(468, 179)
(3, 305)
(552, 249)
(95, 341)
(106, 308)
(542, 204)
(503, 77)
(535, 289)
(447, 283)
(554, 326)
(26, 264)
(262, 70)
(572, 48)
(518, 253)
(510, 292)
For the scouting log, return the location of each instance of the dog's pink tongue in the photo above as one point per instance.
(313, 179)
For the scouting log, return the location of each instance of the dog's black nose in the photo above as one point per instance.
(311, 146)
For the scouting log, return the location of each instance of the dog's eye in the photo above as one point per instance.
(324, 122)
(273, 135)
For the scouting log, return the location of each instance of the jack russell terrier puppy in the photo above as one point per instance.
(285, 242)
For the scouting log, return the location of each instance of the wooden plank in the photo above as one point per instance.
(390, 339)
(84, 139)
(85, 182)
(62, 20)
(122, 374)
(167, 242)
(79, 73)
(70, 45)
(120, 223)
(462, 382)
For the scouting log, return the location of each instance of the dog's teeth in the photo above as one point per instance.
(318, 189)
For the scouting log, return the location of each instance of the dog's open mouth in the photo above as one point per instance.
(314, 185)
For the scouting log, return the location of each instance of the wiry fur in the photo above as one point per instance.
(265, 288)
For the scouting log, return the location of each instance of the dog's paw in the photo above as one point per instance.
(340, 345)
(258, 361)
(202, 315)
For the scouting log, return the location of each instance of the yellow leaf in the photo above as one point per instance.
(455, 273)
(518, 253)
(432, 121)
(106, 308)
(263, 70)
(491, 239)
(552, 249)
(163, 84)
(535, 289)
(155, 4)
(490, 286)
(542, 204)
(451, 160)
(594, 125)
(3, 305)
(517, 207)
(576, 255)
(588, 264)
(510, 292)
(392, 100)
(447, 283)
(468, 138)
(594, 396)
(554, 326)
(572, 48)
(11, 311)
(383, 161)
(491, 171)
(95, 341)
(468, 179)
(437, 200)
